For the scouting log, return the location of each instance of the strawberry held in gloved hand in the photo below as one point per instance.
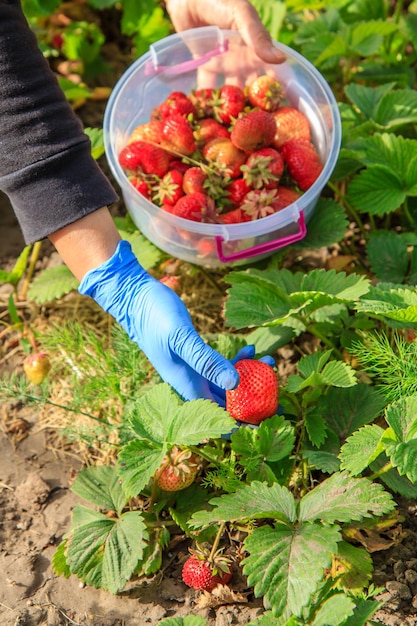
(158, 321)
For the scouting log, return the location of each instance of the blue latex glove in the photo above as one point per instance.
(157, 320)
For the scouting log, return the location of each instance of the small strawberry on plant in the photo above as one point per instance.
(204, 572)
(178, 470)
(36, 367)
(256, 396)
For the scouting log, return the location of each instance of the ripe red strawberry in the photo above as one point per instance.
(226, 155)
(237, 190)
(265, 92)
(144, 187)
(179, 166)
(176, 102)
(177, 470)
(263, 168)
(199, 573)
(201, 99)
(145, 157)
(36, 367)
(253, 130)
(284, 197)
(205, 248)
(177, 135)
(193, 180)
(169, 190)
(303, 162)
(291, 124)
(149, 131)
(208, 129)
(228, 102)
(256, 396)
(235, 216)
(198, 207)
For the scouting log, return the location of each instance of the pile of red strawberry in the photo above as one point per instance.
(225, 155)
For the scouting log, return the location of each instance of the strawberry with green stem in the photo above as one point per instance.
(303, 162)
(263, 168)
(228, 102)
(207, 568)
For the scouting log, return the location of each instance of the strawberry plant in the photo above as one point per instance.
(282, 505)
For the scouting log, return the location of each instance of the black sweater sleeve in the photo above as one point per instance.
(46, 167)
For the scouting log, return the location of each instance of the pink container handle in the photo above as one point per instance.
(186, 66)
(262, 248)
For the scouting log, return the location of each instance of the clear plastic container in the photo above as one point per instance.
(211, 57)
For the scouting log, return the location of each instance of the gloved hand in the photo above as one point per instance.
(157, 320)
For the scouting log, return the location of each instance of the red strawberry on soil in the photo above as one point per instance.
(303, 162)
(291, 124)
(144, 157)
(36, 367)
(256, 396)
(265, 92)
(177, 135)
(198, 207)
(263, 169)
(253, 130)
(226, 155)
(177, 470)
(228, 102)
(203, 575)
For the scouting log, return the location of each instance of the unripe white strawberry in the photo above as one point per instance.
(36, 367)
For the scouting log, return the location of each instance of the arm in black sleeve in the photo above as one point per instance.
(46, 167)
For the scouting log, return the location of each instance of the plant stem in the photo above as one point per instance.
(217, 541)
(32, 263)
(354, 214)
(386, 468)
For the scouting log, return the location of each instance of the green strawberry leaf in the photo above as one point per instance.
(346, 410)
(269, 297)
(59, 560)
(393, 480)
(253, 501)
(162, 418)
(388, 256)
(376, 190)
(97, 143)
(103, 552)
(396, 108)
(100, 485)
(146, 253)
(137, 463)
(286, 566)
(52, 283)
(343, 498)
(334, 611)
(326, 226)
(256, 448)
(365, 38)
(361, 449)
(354, 567)
(365, 609)
(401, 440)
(367, 99)
(390, 302)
